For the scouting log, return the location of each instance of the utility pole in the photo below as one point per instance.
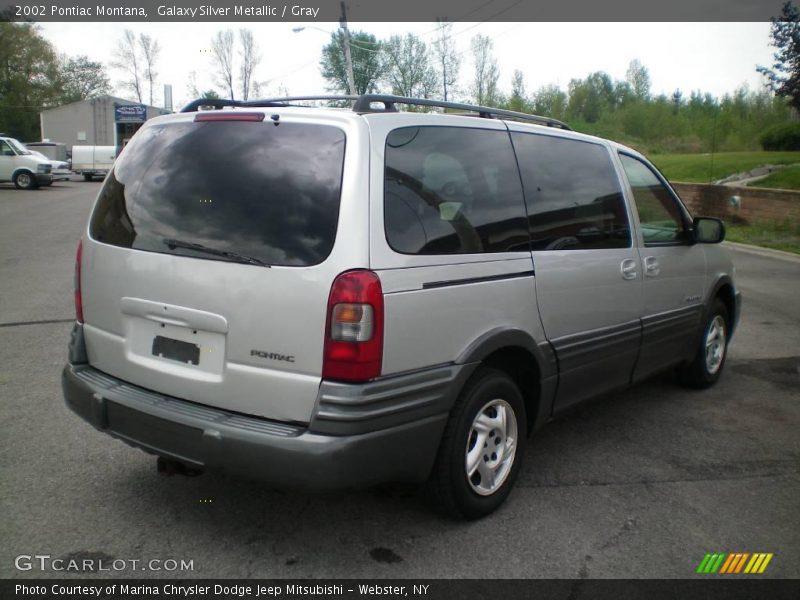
(351, 83)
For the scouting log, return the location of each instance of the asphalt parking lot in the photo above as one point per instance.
(640, 485)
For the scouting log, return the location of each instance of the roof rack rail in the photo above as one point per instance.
(216, 103)
(364, 105)
(219, 103)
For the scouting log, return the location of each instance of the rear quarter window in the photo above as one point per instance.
(251, 188)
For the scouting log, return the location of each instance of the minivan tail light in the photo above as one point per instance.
(77, 283)
(354, 328)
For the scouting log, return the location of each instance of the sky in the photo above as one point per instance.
(712, 57)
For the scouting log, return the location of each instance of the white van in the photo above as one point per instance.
(52, 150)
(91, 161)
(22, 167)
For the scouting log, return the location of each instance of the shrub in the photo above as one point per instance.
(781, 137)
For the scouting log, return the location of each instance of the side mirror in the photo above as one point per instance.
(708, 230)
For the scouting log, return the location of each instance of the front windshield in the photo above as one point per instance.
(19, 148)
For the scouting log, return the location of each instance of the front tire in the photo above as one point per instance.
(87, 177)
(706, 367)
(482, 447)
(24, 181)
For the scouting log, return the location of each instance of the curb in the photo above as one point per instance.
(765, 252)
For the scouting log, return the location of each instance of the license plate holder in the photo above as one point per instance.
(177, 350)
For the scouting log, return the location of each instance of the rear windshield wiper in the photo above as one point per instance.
(234, 256)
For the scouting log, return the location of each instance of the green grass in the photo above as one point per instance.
(785, 179)
(697, 168)
(779, 236)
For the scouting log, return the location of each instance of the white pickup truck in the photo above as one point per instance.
(91, 161)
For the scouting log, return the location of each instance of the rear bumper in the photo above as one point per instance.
(373, 441)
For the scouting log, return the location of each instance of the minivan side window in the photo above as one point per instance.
(660, 216)
(573, 194)
(5, 149)
(452, 190)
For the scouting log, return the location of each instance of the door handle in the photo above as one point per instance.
(651, 266)
(628, 269)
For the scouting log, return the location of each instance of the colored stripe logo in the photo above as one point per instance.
(734, 563)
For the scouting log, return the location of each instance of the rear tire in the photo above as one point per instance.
(482, 447)
(25, 181)
(87, 177)
(706, 367)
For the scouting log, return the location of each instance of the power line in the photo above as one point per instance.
(464, 16)
(352, 45)
(497, 14)
(460, 18)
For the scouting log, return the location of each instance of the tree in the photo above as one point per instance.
(784, 76)
(222, 51)
(638, 77)
(623, 93)
(677, 100)
(194, 92)
(408, 68)
(191, 85)
(137, 58)
(589, 98)
(250, 56)
(550, 101)
(81, 79)
(126, 59)
(29, 79)
(487, 73)
(517, 101)
(367, 58)
(150, 50)
(448, 61)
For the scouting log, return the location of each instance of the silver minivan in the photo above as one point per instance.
(329, 298)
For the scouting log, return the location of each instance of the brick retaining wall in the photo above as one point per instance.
(757, 204)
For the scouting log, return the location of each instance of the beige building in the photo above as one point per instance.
(102, 121)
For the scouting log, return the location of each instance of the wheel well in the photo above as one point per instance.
(521, 366)
(725, 293)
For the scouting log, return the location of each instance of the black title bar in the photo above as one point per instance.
(706, 587)
(391, 10)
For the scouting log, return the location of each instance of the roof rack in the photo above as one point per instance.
(219, 103)
(364, 104)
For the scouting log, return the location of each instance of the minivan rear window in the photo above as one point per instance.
(239, 189)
